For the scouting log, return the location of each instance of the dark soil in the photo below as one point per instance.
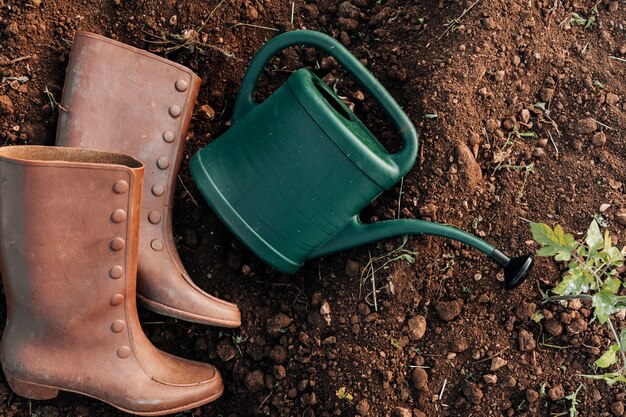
(304, 337)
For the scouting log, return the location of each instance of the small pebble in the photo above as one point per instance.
(490, 379)
(599, 139)
(402, 412)
(472, 392)
(531, 395)
(586, 126)
(497, 363)
(254, 380)
(525, 115)
(448, 310)
(207, 111)
(459, 345)
(556, 393)
(417, 327)
(526, 341)
(612, 99)
(420, 379)
(617, 408)
(6, 105)
(352, 268)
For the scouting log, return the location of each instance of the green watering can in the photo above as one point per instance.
(291, 175)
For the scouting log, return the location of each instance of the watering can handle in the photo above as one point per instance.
(403, 159)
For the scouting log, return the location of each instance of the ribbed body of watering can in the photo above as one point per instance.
(291, 175)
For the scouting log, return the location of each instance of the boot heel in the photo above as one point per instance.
(30, 390)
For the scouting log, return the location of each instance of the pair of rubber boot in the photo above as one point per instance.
(85, 234)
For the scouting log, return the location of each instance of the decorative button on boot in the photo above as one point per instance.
(69, 272)
(122, 99)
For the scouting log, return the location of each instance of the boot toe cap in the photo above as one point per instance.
(173, 293)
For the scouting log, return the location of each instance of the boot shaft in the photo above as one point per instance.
(69, 221)
(69, 235)
(123, 99)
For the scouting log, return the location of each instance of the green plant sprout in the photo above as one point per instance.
(343, 394)
(395, 343)
(187, 42)
(382, 262)
(537, 316)
(520, 135)
(573, 403)
(239, 340)
(592, 275)
(586, 22)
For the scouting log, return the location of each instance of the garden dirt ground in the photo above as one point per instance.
(481, 67)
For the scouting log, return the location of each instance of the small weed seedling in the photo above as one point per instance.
(521, 135)
(586, 22)
(573, 402)
(188, 42)
(598, 84)
(53, 101)
(591, 275)
(395, 343)
(239, 340)
(382, 262)
(343, 394)
(537, 316)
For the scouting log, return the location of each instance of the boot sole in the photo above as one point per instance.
(35, 391)
(185, 315)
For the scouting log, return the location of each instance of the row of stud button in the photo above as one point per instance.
(117, 271)
(154, 217)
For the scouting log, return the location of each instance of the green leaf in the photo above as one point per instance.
(594, 238)
(577, 282)
(597, 83)
(395, 343)
(406, 257)
(607, 241)
(537, 316)
(611, 285)
(555, 242)
(612, 256)
(610, 378)
(343, 394)
(430, 116)
(542, 389)
(574, 401)
(609, 358)
(604, 304)
(577, 19)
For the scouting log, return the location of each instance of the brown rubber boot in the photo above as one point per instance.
(69, 221)
(122, 99)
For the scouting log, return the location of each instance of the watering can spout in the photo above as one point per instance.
(515, 269)
(356, 234)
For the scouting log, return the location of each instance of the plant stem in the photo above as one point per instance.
(570, 297)
(619, 344)
(592, 271)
